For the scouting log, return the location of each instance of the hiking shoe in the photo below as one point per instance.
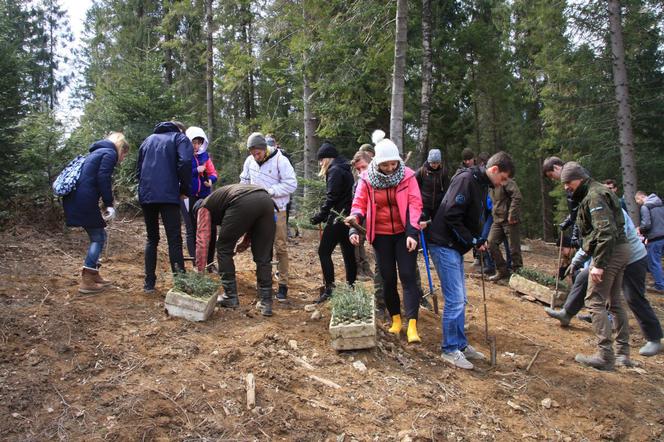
(585, 317)
(560, 315)
(624, 361)
(498, 276)
(651, 348)
(470, 353)
(656, 289)
(596, 361)
(457, 359)
(282, 294)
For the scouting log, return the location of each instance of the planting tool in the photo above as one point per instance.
(425, 251)
(491, 340)
(554, 296)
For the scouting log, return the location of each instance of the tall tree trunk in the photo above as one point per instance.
(476, 112)
(547, 206)
(400, 46)
(209, 69)
(624, 115)
(425, 103)
(249, 88)
(310, 127)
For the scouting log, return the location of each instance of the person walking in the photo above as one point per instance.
(359, 164)
(506, 213)
(601, 224)
(239, 210)
(389, 199)
(455, 230)
(164, 175)
(652, 227)
(267, 167)
(203, 177)
(338, 199)
(81, 205)
(433, 181)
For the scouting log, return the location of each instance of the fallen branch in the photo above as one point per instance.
(165, 396)
(251, 391)
(532, 361)
(326, 382)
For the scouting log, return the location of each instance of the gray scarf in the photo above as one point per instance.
(379, 180)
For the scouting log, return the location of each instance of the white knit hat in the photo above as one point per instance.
(385, 149)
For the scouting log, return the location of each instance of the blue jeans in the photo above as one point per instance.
(97, 239)
(655, 250)
(449, 265)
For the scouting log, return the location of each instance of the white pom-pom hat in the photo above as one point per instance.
(385, 149)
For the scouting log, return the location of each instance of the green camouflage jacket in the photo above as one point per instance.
(600, 221)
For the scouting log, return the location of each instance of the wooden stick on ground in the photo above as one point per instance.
(532, 361)
(251, 391)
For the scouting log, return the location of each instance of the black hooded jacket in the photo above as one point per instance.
(433, 184)
(461, 217)
(339, 193)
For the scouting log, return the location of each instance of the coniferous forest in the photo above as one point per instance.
(534, 78)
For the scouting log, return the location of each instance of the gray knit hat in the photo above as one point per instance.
(434, 156)
(256, 141)
(573, 171)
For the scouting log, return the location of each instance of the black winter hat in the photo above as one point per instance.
(327, 150)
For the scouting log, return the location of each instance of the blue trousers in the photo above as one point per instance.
(97, 237)
(449, 265)
(655, 250)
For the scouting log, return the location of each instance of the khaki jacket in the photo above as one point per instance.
(506, 201)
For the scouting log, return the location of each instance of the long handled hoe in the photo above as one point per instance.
(491, 340)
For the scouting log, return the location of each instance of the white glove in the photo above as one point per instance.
(270, 191)
(109, 214)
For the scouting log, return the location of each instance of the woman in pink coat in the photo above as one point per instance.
(388, 198)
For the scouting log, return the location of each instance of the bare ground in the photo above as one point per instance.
(115, 367)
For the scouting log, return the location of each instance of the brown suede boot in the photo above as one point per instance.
(101, 281)
(88, 284)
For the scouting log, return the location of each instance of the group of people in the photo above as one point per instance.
(386, 204)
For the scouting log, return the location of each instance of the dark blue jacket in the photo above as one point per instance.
(164, 166)
(82, 205)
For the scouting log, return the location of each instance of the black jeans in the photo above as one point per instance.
(390, 252)
(634, 289)
(170, 216)
(252, 214)
(333, 234)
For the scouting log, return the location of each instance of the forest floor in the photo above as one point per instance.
(114, 367)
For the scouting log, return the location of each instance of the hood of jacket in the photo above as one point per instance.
(652, 201)
(197, 132)
(165, 127)
(102, 144)
(340, 162)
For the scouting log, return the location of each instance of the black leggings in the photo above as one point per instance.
(333, 234)
(390, 252)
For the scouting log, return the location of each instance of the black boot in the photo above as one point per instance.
(560, 315)
(325, 294)
(282, 294)
(229, 298)
(265, 304)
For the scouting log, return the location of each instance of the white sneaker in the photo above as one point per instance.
(651, 348)
(457, 359)
(470, 353)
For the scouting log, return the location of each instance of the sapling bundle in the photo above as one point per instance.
(197, 285)
(351, 304)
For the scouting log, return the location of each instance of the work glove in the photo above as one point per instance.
(575, 241)
(478, 242)
(109, 214)
(317, 218)
(566, 223)
(569, 271)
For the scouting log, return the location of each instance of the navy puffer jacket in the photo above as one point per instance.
(164, 166)
(82, 205)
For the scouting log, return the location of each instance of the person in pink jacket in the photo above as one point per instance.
(388, 198)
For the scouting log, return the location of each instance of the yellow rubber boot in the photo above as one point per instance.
(412, 332)
(396, 325)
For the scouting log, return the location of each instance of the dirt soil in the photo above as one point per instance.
(114, 367)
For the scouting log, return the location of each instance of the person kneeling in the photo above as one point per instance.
(238, 209)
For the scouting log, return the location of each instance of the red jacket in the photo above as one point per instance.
(408, 198)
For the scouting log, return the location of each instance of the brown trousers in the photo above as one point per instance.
(607, 297)
(497, 235)
(281, 247)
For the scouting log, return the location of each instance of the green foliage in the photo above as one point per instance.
(309, 204)
(542, 278)
(195, 284)
(351, 304)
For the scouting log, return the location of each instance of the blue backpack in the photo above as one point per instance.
(65, 183)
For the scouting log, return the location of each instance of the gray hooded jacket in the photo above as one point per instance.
(652, 218)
